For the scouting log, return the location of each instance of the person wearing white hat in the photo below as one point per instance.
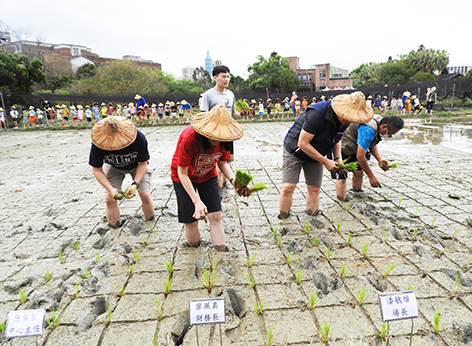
(201, 147)
(315, 134)
(119, 148)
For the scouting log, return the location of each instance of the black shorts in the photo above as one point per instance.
(209, 193)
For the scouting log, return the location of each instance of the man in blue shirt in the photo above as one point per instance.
(360, 141)
(140, 101)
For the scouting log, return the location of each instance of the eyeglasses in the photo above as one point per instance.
(223, 76)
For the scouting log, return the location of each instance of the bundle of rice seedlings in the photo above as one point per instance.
(349, 167)
(393, 165)
(243, 179)
(241, 106)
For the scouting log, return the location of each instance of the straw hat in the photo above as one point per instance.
(58, 106)
(137, 97)
(87, 106)
(63, 106)
(113, 133)
(80, 107)
(103, 104)
(413, 97)
(268, 100)
(352, 107)
(130, 104)
(218, 125)
(160, 104)
(407, 93)
(167, 103)
(153, 105)
(72, 107)
(184, 102)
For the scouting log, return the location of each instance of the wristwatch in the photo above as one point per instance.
(137, 184)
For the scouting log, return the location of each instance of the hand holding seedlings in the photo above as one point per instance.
(242, 181)
(130, 192)
(346, 167)
(200, 211)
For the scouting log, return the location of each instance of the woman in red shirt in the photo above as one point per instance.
(200, 147)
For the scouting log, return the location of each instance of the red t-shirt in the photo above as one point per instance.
(201, 166)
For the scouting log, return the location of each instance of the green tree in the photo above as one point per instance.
(273, 73)
(366, 75)
(86, 71)
(427, 60)
(18, 74)
(202, 78)
(395, 72)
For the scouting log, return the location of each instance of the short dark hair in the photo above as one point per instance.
(220, 69)
(393, 122)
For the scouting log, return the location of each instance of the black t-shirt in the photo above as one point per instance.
(126, 158)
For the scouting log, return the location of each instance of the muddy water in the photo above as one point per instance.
(419, 222)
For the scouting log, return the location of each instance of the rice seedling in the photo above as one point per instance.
(415, 233)
(243, 179)
(47, 276)
(299, 276)
(373, 200)
(313, 299)
(250, 260)
(343, 272)
(443, 251)
(384, 235)
(136, 255)
(151, 223)
(2, 326)
(307, 228)
(251, 280)
(328, 253)
(167, 286)
(158, 309)
(109, 315)
(384, 331)
(436, 319)
(346, 206)
(364, 249)
(277, 240)
(430, 267)
(145, 242)
(258, 308)
(121, 291)
(467, 264)
(130, 268)
(410, 287)
(169, 266)
(361, 295)
(86, 273)
(208, 279)
(349, 240)
(367, 225)
(97, 257)
(77, 285)
(351, 166)
(432, 223)
(393, 165)
(53, 322)
(324, 332)
(338, 227)
(316, 241)
(416, 211)
(456, 285)
(62, 258)
(270, 335)
(389, 269)
(76, 244)
(23, 297)
(399, 202)
(274, 232)
(388, 194)
(456, 233)
(289, 257)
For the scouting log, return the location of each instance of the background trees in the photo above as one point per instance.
(18, 74)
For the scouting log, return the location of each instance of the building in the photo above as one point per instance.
(217, 63)
(320, 77)
(208, 63)
(459, 69)
(187, 73)
(77, 55)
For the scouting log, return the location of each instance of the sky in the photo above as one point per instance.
(178, 33)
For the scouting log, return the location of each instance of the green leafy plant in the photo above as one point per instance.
(384, 331)
(208, 279)
(349, 167)
(373, 200)
(361, 295)
(364, 249)
(53, 322)
(158, 309)
(145, 242)
(415, 233)
(277, 240)
(97, 257)
(388, 194)
(62, 258)
(299, 276)
(169, 266)
(432, 223)
(86, 274)
(436, 319)
(349, 240)
(316, 241)
(324, 332)
(121, 291)
(313, 299)
(328, 253)
(384, 235)
(289, 257)
(389, 269)
(136, 255)
(270, 335)
(443, 251)
(250, 260)
(167, 286)
(404, 249)
(456, 285)
(76, 244)
(258, 308)
(109, 315)
(274, 232)
(2, 326)
(343, 272)
(243, 179)
(410, 287)
(338, 227)
(346, 206)
(251, 280)
(130, 268)
(47, 276)
(399, 202)
(307, 228)
(23, 297)
(416, 211)
(367, 225)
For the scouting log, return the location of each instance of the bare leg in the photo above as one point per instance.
(112, 211)
(357, 180)
(217, 232)
(341, 189)
(192, 234)
(313, 199)
(147, 204)
(286, 199)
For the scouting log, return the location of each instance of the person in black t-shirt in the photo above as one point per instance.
(118, 148)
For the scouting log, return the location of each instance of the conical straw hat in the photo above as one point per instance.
(113, 133)
(352, 107)
(218, 125)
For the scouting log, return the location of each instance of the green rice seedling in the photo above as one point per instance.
(443, 251)
(158, 309)
(109, 315)
(456, 285)
(243, 179)
(384, 331)
(338, 227)
(364, 249)
(313, 299)
(324, 332)
(169, 266)
(328, 253)
(77, 285)
(430, 267)
(2, 326)
(151, 223)
(346, 206)
(307, 228)
(86, 274)
(76, 244)
(250, 260)
(410, 287)
(316, 241)
(53, 322)
(389, 269)
(393, 165)
(299, 276)
(415, 233)
(343, 272)
(361, 295)
(416, 211)
(456, 233)
(274, 232)
(167, 286)
(467, 264)
(358, 215)
(399, 202)
(388, 194)
(258, 308)
(130, 268)
(213, 264)
(351, 166)
(208, 279)
(251, 280)
(367, 225)
(270, 335)
(384, 235)
(47, 276)
(289, 257)
(136, 255)
(436, 319)
(277, 240)
(349, 240)
(145, 242)
(62, 258)
(432, 223)
(97, 257)
(373, 200)
(121, 291)
(23, 297)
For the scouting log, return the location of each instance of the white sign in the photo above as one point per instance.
(22, 323)
(398, 305)
(207, 311)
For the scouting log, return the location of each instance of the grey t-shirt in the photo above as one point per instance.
(212, 98)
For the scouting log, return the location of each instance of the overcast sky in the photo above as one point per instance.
(177, 33)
